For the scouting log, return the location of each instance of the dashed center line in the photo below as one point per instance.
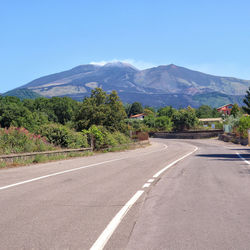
(150, 180)
(108, 231)
(146, 185)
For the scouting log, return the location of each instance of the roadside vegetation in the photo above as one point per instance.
(101, 121)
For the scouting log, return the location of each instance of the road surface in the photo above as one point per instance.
(174, 194)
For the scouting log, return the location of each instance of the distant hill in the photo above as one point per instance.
(158, 86)
(22, 93)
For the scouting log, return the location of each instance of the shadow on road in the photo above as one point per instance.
(225, 157)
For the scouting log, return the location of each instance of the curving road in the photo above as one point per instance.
(174, 194)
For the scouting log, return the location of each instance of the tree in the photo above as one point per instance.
(101, 109)
(184, 119)
(136, 108)
(246, 101)
(164, 123)
(166, 111)
(205, 111)
(235, 110)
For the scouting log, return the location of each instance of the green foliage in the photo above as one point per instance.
(104, 138)
(136, 108)
(232, 121)
(166, 111)
(164, 123)
(149, 121)
(137, 125)
(20, 140)
(235, 110)
(246, 101)
(244, 125)
(205, 111)
(101, 109)
(22, 94)
(184, 119)
(61, 135)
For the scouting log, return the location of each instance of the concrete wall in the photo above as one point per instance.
(187, 134)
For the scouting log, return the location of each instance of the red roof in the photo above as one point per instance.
(135, 116)
(224, 107)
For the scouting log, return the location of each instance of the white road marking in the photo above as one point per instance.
(146, 185)
(173, 163)
(108, 231)
(58, 173)
(150, 180)
(70, 170)
(242, 158)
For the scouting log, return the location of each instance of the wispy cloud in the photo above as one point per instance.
(136, 63)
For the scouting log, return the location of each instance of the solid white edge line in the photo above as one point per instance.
(242, 158)
(67, 171)
(173, 163)
(108, 231)
(57, 173)
(146, 185)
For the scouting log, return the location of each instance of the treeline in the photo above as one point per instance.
(99, 109)
(63, 122)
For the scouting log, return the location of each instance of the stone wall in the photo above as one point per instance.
(187, 134)
(233, 138)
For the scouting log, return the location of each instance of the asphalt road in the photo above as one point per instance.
(165, 196)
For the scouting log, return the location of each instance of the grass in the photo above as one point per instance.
(50, 158)
(43, 159)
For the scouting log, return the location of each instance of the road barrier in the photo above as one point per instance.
(187, 134)
(25, 156)
(31, 155)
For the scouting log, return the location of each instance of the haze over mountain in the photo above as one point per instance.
(158, 86)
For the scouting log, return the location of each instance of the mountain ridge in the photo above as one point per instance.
(127, 80)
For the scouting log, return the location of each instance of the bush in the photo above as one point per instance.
(103, 138)
(244, 125)
(20, 140)
(184, 119)
(164, 123)
(61, 135)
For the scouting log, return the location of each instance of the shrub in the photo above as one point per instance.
(244, 125)
(103, 138)
(63, 136)
(121, 138)
(20, 140)
(164, 123)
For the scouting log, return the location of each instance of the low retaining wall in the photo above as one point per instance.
(232, 138)
(25, 156)
(187, 134)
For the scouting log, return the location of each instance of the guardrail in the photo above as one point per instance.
(24, 156)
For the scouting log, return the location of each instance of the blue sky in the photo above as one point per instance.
(43, 37)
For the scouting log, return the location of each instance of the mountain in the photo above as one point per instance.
(158, 86)
(22, 93)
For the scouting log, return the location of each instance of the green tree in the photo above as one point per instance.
(205, 111)
(136, 108)
(184, 119)
(166, 111)
(235, 110)
(101, 109)
(246, 101)
(164, 123)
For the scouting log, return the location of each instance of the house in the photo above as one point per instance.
(138, 116)
(226, 109)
